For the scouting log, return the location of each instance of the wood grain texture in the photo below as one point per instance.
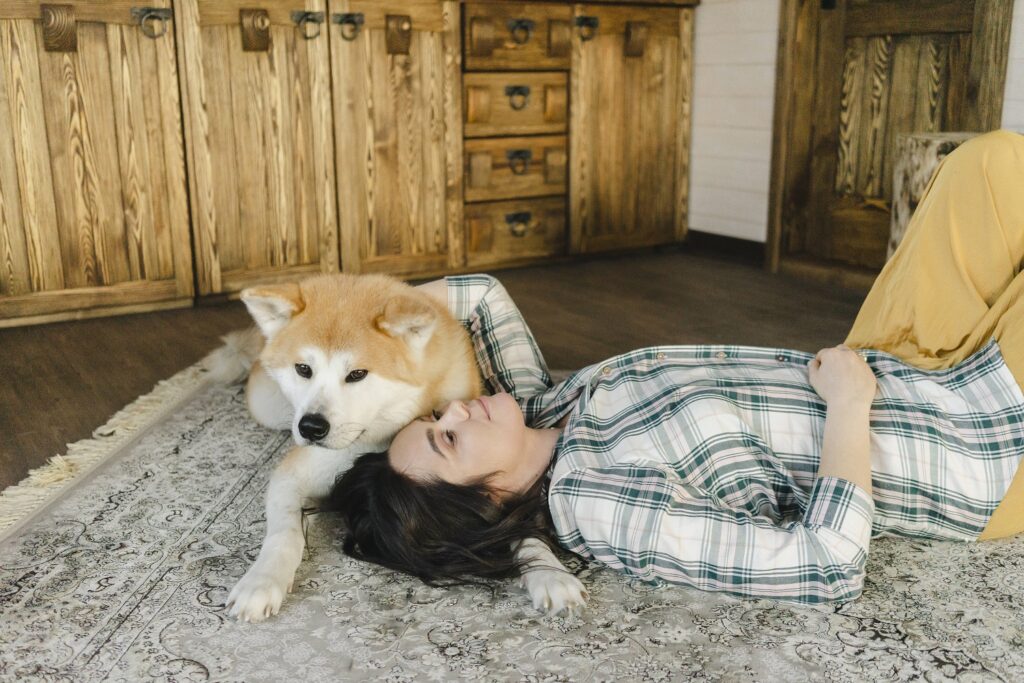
(20, 65)
(87, 149)
(390, 128)
(260, 143)
(491, 236)
(684, 125)
(502, 182)
(625, 150)
(502, 119)
(452, 101)
(990, 39)
(505, 52)
(103, 12)
(903, 67)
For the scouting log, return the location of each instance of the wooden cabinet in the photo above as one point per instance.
(211, 145)
(394, 65)
(260, 141)
(630, 141)
(93, 206)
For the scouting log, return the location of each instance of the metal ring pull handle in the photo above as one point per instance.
(518, 96)
(351, 23)
(587, 27)
(152, 21)
(521, 30)
(305, 20)
(518, 223)
(519, 160)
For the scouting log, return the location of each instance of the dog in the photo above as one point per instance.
(345, 362)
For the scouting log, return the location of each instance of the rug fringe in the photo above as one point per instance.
(43, 483)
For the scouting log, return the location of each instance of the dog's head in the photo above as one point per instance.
(348, 353)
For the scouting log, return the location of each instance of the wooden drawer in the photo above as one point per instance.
(516, 35)
(504, 168)
(504, 231)
(514, 103)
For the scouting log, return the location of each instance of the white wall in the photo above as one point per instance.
(735, 45)
(1013, 102)
(735, 42)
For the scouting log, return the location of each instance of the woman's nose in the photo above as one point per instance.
(456, 410)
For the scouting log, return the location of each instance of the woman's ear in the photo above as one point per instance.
(272, 306)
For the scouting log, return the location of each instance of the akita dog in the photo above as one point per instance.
(344, 362)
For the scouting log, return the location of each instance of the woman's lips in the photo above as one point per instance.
(484, 406)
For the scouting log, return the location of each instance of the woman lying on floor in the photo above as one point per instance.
(760, 472)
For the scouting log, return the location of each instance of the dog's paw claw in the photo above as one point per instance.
(554, 591)
(257, 596)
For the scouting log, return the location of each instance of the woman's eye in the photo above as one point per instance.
(303, 370)
(450, 435)
(355, 375)
(436, 414)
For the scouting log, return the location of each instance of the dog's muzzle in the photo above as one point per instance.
(314, 427)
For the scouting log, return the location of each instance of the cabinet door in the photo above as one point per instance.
(258, 125)
(630, 122)
(395, 70)
(93, 210)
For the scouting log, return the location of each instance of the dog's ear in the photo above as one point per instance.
(409, 319)
(272, 306)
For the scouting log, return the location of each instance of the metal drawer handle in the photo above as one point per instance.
(587, 27)
(152, 21)
(518, 222)
(518, 96)
(519, 160)
(350, 22)
(303, 20)
(521, 30)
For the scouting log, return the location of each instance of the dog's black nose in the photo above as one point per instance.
(314, 427)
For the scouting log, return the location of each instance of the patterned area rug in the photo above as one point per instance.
(124, 574)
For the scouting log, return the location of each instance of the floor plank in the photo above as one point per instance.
(58, 382)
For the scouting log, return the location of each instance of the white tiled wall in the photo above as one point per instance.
(735, 43)
(735, 46)
(1013, 102)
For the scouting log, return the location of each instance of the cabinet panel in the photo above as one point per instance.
(517, 229)
(629, 147)
(515, 103)
(396, 117)
(516, 35)
(93, 208)
(260, 142)
(503, 168)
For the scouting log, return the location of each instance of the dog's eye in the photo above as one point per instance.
(303, 370)
(355, 375)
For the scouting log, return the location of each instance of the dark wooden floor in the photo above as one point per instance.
(58, 382)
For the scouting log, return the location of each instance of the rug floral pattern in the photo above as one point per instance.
(125, 577)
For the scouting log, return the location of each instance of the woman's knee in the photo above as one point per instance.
(994, 154)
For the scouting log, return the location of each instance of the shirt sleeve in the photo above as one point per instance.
(505, 349)
(649, 523)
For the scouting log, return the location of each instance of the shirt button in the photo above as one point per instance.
(721, 354)
(606, 370)
(661, 356)
(781, 359)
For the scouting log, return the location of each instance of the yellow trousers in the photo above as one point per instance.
(955, 281)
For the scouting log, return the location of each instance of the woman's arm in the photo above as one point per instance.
(646, 521)
(844, 380)
(505, 349)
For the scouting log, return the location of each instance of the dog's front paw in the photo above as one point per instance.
(258, 595)
(554, 590)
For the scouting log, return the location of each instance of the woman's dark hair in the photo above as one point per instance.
(445, 534)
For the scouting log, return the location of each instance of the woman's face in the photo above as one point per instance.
(486, 436)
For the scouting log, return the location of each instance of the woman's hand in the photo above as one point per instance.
(840, 376)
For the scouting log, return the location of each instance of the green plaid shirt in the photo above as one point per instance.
(697, 465)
